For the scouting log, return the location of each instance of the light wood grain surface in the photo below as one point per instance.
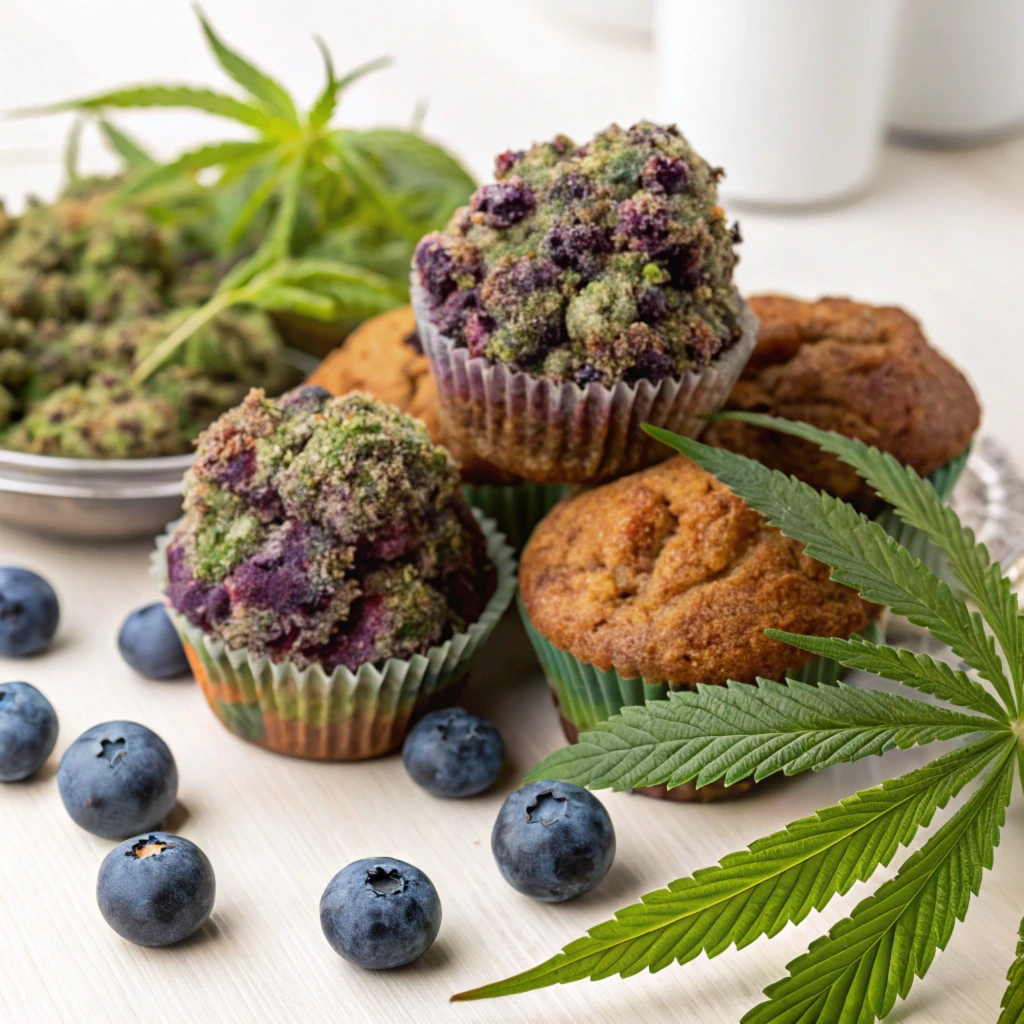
(277, 829)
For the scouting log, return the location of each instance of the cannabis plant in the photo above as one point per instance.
(855, 973)
(327, 217)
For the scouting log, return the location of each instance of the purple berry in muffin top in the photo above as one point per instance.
(504, 162)
(502, 204)
(328, 530)
(551, 268)
(664, 174)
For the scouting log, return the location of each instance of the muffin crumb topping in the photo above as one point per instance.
(603, 262)
(328, 530)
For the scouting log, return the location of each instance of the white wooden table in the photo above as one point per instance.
(940, 234)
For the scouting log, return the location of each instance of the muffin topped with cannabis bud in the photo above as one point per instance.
(88, 289)
(610, 261)
(326, 530)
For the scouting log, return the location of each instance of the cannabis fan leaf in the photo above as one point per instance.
(300, 189)
(778, 880)
(855, 974)
(740, 730)
(1013, 998)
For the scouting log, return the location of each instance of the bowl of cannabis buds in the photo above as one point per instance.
(88, 290)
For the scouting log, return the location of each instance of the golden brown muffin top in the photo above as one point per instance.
(668, 575)
(384, 359)
(864, 371)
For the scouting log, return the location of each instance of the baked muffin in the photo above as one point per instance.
(325, 543)
(587, 290)
(383, 358)
(864, 371)
(665, 579)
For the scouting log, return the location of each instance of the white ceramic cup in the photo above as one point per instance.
(959, 73)
(789, 96)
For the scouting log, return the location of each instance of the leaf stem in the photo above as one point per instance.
(184, 331)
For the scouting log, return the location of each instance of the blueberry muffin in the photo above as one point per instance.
(585, 290)
(326, 543)
(665, 579)
(864, 371)
(384, 358)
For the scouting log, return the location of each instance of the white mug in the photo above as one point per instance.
(959, 73)
(789, 96)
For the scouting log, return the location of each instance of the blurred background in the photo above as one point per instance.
(799, 100)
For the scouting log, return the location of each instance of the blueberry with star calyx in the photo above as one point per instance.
(380, 913)
(452, 753)
(156, 889)
(553, 841)
(118, 779)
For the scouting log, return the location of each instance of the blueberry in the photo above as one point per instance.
(553, 841)
(306, 396)
(588, 373)
(664, 174)
(503, 203)
(28, 730)
(578, 246)
(117, 780)
(453, 753)
(646, 223)
(436, 267)
(379, 913)
(504, 162)
(155, 889)
(150, 644)
(29, 612)
(651, 305)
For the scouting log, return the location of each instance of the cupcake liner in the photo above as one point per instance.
(587, 695)
(341, 715)
(516, 508)
(557, 431)
(914, 540)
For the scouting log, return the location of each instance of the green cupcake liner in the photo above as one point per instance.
(341, 715)
(588, 695)
(914, 540)
(516, 508)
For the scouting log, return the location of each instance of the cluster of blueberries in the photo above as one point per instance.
(551, 841)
